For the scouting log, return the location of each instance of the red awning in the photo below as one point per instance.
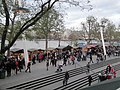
(91, 46)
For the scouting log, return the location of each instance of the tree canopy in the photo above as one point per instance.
(11, 10)
(91, 29)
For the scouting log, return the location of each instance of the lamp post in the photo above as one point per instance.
(25, 50)
(102, 38)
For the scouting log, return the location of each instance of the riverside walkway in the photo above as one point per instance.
(39, 71)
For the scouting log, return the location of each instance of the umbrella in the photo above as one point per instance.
(67, 48)
(91, 46)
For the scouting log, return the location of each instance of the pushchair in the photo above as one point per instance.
(59, 68)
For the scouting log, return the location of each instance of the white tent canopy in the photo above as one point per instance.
(21, 45)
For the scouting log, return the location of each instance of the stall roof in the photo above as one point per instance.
(40, 45)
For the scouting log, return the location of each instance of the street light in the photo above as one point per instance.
(25, 49)
(102, 38)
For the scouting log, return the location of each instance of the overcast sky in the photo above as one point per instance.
(109, 9)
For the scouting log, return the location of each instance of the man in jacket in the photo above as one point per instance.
(66, 78)
(28, 67)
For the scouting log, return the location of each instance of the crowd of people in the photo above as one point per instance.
(14, 64)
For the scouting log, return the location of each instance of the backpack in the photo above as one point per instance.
(72, 58)
(16, 63)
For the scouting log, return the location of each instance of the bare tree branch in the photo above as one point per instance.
(6, 24)
(32, 21)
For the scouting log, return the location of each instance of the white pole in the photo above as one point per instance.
(103, 43)
(25, 52)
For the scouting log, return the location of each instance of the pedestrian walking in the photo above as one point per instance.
(8, 68)
(13, 66)
(90, 55)
(79, 55)
(47, 64)
(64, 59)
(65, 80)
(88, 67)
(98, 57)
(28, 67)
(40, 57)
(90, 80)
(91, 60)
(20, 65)
(17, 65)
(72, 59)
(99, 77)
(33, 59)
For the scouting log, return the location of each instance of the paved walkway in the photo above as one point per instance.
(38, 71)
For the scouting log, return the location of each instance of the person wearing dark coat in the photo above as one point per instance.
(108, 69)
(88, 67)
(47, 64)
(28, 67)
(13, 66)
(20, 65)
(67, 76)
(64, 59)
(90, 80)
(8, 68)
(33, 60)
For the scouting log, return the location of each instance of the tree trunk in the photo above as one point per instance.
(46, 43)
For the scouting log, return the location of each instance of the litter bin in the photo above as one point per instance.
(2, 73)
